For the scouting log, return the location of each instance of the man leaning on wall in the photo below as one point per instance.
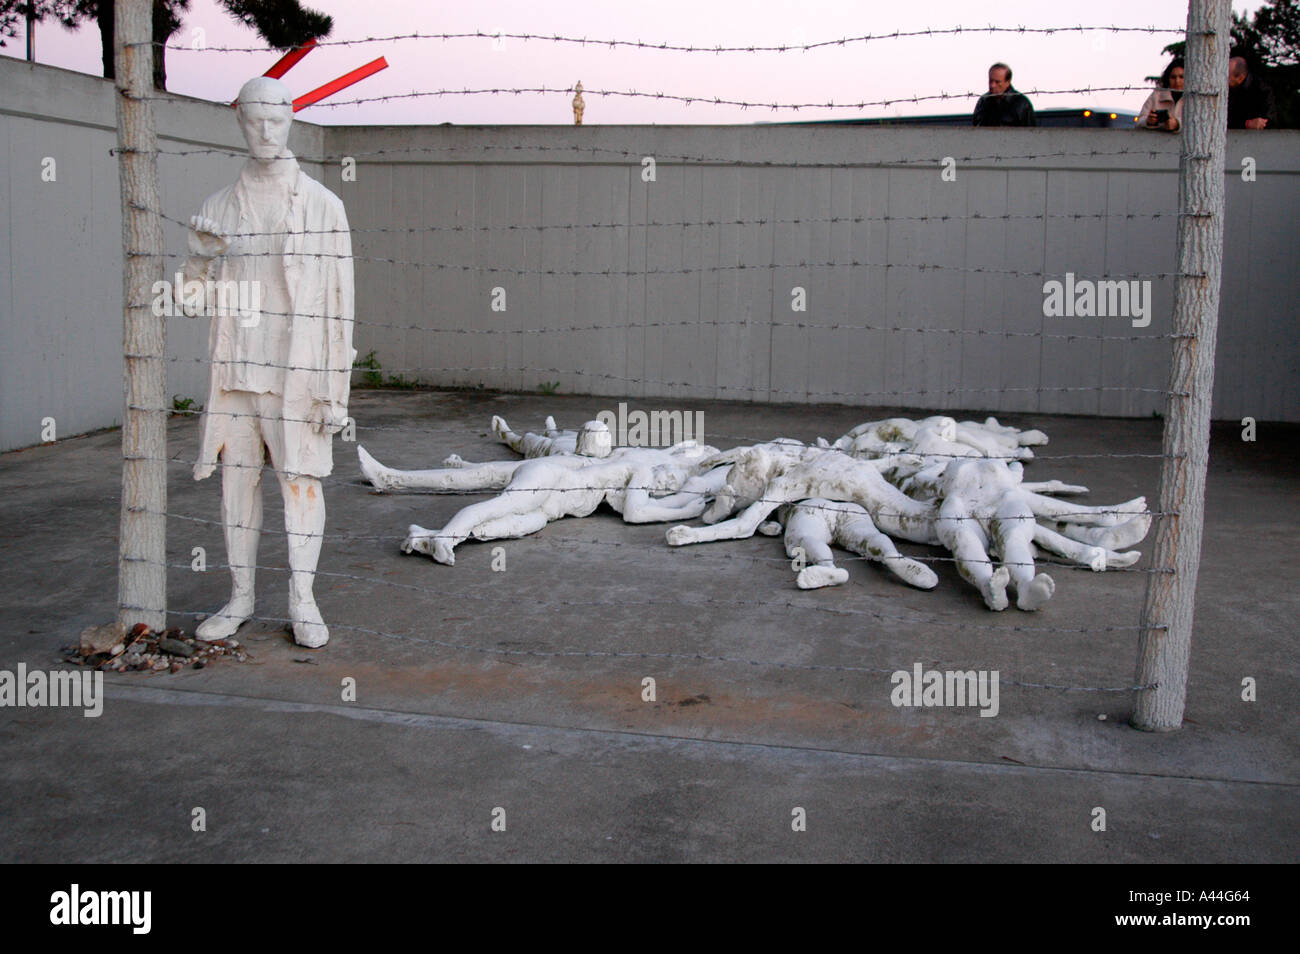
(1003, 104)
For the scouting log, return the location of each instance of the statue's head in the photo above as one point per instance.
(265, 113)
(594, 440)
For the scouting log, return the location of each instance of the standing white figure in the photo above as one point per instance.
(281, 375)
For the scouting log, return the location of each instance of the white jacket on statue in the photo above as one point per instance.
(317, 264)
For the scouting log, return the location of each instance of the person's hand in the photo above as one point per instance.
(1152, 119)
(1172, 125)
(1256, 123)
(211, 240)
(327, 419)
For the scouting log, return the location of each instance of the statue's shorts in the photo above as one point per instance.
(254, 423)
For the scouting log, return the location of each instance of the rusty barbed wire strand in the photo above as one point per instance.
(665, 46)
(622, 654)
(683, 99)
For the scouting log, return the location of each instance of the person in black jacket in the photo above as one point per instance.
(1002, 105)
(1250, 100)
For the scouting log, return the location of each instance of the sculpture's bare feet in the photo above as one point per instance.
(815, 577)
(372, 470)
(1127, 533)
(453, 460)
(442, 551)
(680, 536)
(1038, 592)
(499, 426)
(769, 528)
(226, 620)
(308, 628)
(417, 539)
(995, 596)
(912, 572)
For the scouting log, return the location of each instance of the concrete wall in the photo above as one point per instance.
(965, 335)
(972, 336)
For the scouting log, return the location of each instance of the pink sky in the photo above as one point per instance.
(878, 70)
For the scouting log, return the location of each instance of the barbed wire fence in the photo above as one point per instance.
(1164, 629)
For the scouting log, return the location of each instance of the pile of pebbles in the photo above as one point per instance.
(112, 648)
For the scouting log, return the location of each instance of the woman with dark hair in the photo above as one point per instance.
(1164, 107)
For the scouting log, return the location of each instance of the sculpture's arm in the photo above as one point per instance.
(687, 504)
(1096, 558)
(1053, 487)
(1067, 512)
(737, 528)
(207, 242)
(330, 410)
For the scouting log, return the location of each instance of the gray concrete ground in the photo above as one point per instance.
(522, 689)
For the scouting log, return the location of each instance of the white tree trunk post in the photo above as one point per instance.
(1164, 649)
(142, 545)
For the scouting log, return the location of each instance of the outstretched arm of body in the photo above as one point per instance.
(737, 528)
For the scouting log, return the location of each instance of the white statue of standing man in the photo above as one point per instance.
(281, 375)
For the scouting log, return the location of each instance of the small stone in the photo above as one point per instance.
(131, 659)
(241, 656)
(117, 650)
(138, 630)
(100, 639)
(175, 647)
(177, 666)
(158, 665)
(1102, 717)
(200, 664)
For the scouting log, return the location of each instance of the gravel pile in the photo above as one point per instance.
(113, 648)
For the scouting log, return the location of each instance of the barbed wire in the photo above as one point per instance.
(688, 158)
(178, 313)
(682, 270)
(924, 559)
(747, 389)
(683, 99)
(737, 322)
(665, 46)
(698, 551)
(701, 223)
(625, 654)
(462, 594)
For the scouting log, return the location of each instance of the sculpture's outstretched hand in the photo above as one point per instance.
(326, 418)
(208, 235)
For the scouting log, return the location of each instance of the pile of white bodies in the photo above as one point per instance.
(934, 481)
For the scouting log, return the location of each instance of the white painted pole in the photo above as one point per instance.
(142, 545)
(1164, 650)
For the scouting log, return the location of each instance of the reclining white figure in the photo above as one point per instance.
(762, 480)
(977, 506)
(457, 474)
(811, 526)
(548, 488)
(938, 435)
